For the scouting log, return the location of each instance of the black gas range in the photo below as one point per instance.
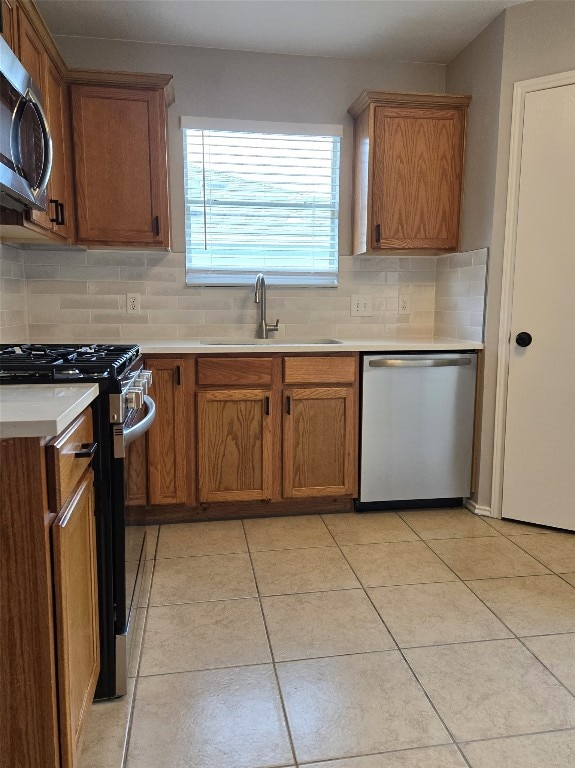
(122, 413)
(71, 363)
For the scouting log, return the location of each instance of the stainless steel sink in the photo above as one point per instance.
(269, 342)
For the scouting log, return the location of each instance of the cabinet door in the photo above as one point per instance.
(319, 448)
(167, 436)
(417, 167)
(76, 604)
(235, 445)
(34, 58)
(9, 24)
(60, 185)
(120, 161)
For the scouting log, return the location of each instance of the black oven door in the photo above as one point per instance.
(128, 543)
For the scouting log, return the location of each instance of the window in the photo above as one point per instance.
(261, 197)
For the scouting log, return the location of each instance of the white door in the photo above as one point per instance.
(539, 458)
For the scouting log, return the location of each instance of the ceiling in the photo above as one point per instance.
(432, 31)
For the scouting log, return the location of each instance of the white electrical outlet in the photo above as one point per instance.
(361, 305)
(404, 305)
(132, 303)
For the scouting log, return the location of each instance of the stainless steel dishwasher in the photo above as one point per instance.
(416, 428)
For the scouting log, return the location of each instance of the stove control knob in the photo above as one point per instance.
(146, 375)
(142, 382)
(135, 397)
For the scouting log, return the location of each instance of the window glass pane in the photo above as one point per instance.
(261, 202)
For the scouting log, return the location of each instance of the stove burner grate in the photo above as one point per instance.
(68, 361)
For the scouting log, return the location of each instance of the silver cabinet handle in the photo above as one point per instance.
(429, 363)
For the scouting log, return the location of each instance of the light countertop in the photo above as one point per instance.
(41, 410)
(251, 346)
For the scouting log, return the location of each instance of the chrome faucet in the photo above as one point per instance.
(264, 327)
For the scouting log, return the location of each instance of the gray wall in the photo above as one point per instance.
(477, 71)
(256, 86)
(537, 39)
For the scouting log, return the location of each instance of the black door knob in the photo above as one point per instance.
(523, 339)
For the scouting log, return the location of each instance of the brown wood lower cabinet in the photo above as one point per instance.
(76, 603)
(223, 444)
(49, 657)
(235, 441)
(167, 437)
(278, 442)
(319, 442)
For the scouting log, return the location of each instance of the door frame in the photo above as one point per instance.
(520, 90)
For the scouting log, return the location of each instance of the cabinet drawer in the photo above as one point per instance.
(65, 468)
(319, 370)
(231, 371)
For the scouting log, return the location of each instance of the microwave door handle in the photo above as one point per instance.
(47, 165)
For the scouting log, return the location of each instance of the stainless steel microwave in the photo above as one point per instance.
(25, 142)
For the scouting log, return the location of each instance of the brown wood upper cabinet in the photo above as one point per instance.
(119, 136)
(61, 208)
(9, 28)
(43, 62)
(34, 58)
(408, 171)
(116, 126)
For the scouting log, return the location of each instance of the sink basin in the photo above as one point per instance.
(269, 342)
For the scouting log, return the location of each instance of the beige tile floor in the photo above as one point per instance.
(419, 639)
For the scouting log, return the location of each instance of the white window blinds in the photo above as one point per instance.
(261, 197)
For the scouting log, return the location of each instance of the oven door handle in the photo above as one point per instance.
(138, 429)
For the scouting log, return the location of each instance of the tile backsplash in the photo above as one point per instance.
(460, 295)
(13, 319)
(74, 295)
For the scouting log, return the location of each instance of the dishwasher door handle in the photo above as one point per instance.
(434, 362)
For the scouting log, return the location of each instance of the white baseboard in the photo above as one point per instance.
(472, 506)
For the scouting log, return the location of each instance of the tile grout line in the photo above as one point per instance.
(361, 586)
(510, 540)
(520, 735)
(448, 731)
(273, 661)
(532, 653)
(137, 676)
(515, 635)
(255, 597)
